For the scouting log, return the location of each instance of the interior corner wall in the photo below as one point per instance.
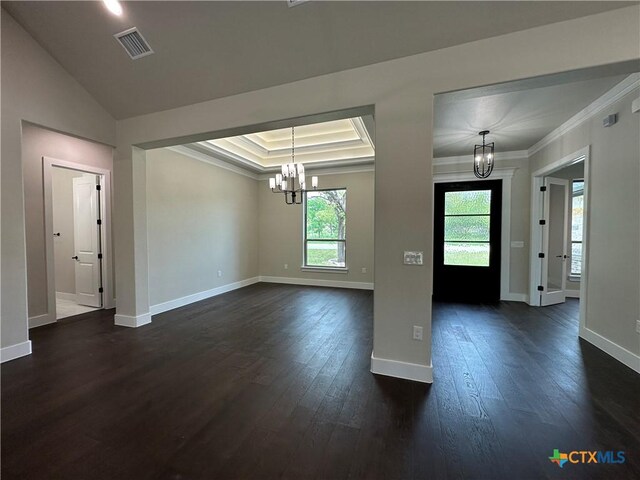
(281, 231)
(37, 143)
(613, 262)
(201, 220)
(36, 89)
(520, 212)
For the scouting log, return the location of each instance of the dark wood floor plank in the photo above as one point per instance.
(273, 381)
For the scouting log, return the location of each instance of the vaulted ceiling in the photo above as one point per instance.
(205, 50)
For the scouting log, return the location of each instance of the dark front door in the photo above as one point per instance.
(466, 253)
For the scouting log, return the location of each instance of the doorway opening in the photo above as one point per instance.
(559, 213)
(77, 233)
(467, 241)
(76, 241)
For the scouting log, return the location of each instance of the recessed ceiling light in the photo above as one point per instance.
(113, 6)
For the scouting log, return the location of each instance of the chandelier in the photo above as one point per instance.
(285, 182)
(483, 157)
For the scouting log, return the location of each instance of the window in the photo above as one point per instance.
(467, 216)
(577, 210)
(325, 228)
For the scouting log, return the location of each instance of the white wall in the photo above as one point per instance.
(281, 231)
(63, 222)
(35, 88)
(613, 276)
(402, 93)
(200, 219)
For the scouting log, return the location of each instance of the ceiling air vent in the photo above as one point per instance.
(134, 43)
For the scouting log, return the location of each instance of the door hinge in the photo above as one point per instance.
(99, 256)
(543, 188)
(101, 290)
(540, 255)
(540, 288)
(543, 222)
(99, 222)
(98, 187)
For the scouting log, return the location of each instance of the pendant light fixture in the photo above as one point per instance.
(483, 157)
(285, 182)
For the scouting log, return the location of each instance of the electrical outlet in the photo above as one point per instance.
(638, 326)
(286, 266)
(219, 273)
(417, 333)
(364, 269)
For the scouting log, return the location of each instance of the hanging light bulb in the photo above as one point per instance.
(483, 157)
(285, 182)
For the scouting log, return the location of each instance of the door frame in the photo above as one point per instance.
(535, 266)
(48, 163)
(504, 174)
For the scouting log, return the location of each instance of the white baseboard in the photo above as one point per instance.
(196, 297)
(621, 354)
(41, 320)
(572, 293)
(15, 351)
(516, 297)
(408, 371)
(318, 283)
(133, 322)
(66, 296)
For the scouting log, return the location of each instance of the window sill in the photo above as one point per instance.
(574, 278)
(324, 269)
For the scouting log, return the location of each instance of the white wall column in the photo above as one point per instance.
(403, 219)
(132, 272)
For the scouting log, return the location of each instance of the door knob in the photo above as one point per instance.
(74, 257)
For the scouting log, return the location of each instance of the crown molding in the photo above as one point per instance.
(616, 93)
(207, 158)
(464, 159)
(332, 168)
(467, 175)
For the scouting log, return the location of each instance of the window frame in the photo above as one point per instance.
(479, 242)
(305, 266)
(575, 276)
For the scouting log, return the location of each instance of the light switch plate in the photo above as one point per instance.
(413, 258)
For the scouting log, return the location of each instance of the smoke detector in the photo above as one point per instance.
(134, 43)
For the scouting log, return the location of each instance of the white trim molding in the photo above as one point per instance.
(40, 320)
(66, 296)
(196, 297)
(468, 159)
(211, 160)
(132, 322)
(15, 351)
(407, 371)
(616, 93)
(516, 297)
(572, 293)
(621, 354)
(313, 282)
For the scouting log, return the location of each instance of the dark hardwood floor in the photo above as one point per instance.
(273, 381)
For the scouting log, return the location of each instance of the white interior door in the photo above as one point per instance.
(86, 235)
(554, 241)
